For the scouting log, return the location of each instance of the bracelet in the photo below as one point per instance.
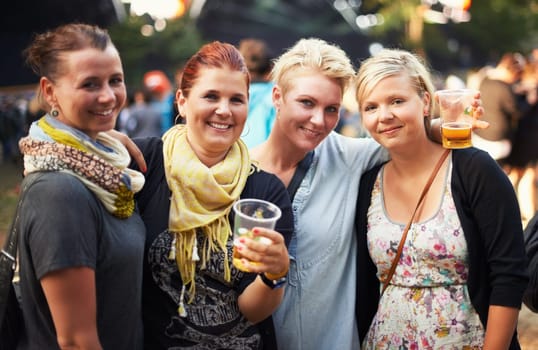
(277, 276)
(273, 283)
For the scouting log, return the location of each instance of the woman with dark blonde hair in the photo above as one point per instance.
(459, 281)
(81, 241)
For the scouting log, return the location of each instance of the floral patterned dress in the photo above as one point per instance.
(427, 305)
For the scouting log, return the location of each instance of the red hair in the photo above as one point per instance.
(213, 55)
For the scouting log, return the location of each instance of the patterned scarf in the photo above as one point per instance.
(201, 199)
(101, 164)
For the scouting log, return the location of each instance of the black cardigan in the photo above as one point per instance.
(488, 210)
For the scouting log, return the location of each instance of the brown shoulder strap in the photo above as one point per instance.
(406, 229)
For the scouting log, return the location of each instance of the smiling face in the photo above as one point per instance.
(309, 109)
(89, 92)
(393, 112)
(215, 111)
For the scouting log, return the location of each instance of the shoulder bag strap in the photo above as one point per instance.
(11, 242)
(299, 174)
(8, 255)
(406, 229)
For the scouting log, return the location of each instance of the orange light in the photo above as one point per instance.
(182, 6)
(466, 5)
(180, 9)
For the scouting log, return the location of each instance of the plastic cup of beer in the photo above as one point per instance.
(456, 110)
(250, 213)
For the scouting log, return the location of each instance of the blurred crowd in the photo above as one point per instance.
(17, 112)
(509, 90)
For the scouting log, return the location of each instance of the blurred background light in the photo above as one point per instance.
(374, 48)
(157, 8)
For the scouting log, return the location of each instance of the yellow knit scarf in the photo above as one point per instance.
(201, 200)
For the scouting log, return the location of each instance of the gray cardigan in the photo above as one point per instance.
(489, 214)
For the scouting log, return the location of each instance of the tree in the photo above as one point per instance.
(496, 26)
(166, 50)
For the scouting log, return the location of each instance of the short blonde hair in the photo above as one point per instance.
(313, 54)
(391, 62)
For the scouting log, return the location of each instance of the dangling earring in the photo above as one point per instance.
(248, 130)
(54, 112)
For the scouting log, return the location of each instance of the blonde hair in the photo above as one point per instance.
(391, 62)
(313, 54)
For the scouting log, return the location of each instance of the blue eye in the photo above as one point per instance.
(332, 109)
(89, 85)
(307, 103)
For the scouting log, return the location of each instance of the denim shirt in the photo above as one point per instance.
(318, 310)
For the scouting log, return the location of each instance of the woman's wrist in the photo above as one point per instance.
(273, 283)
(276, 276)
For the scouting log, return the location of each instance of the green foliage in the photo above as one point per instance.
(496, 26)
(166, 50)
(395, 13)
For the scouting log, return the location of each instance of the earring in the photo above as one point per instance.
(54, 112)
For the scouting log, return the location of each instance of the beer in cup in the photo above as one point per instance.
(456, 110)
(250, 213)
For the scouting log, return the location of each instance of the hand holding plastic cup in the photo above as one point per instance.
(456, 110)
(250, 213)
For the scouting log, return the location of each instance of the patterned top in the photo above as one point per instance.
(431, 276)
(213, 320)
(215, 305)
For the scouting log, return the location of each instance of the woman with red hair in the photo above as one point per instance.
(193, 296)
